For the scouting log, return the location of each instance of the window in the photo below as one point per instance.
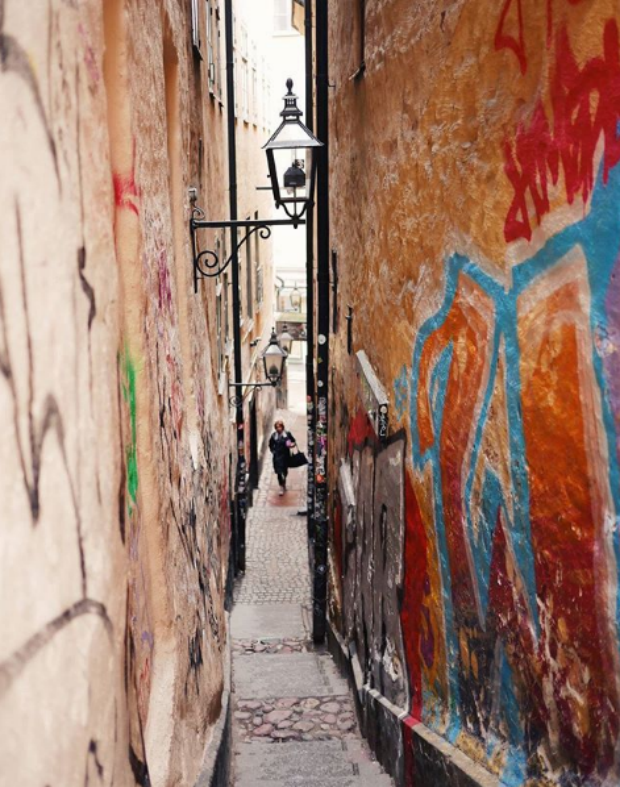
(219, 317)
(195, 27)
(259, 270)
(282, 12)
(264, 105)
(240, 279)
(361, 22)
(245, 74)
(214, 48)
(249, 277)
(226, 309)
(255, 94)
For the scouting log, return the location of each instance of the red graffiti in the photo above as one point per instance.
(506, 40)
(126, 192)
(510, 30)
(165, 285)
(585, 106)
(415, 635)
(361, 431)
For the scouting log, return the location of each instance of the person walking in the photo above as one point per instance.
(280, 444)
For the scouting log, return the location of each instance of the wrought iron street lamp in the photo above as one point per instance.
(291, 155)
(274, 358)
(286, 340)
(292, 160)
(295, 299)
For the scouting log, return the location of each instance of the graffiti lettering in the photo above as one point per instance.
(585, 105)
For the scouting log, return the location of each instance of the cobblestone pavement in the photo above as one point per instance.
(276, 558)
(308, 719)
(286, 692)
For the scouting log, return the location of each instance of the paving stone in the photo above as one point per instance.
(276, 716)
(264, 729)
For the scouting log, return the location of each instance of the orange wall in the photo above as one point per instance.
(479, 153)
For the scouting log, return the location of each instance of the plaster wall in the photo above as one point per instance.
(114, 448)
(474, 558)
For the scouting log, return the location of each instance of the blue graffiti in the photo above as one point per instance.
(598, 236)
(401, 393)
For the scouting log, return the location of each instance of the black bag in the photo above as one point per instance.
(296, 458)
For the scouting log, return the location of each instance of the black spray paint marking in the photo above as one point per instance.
(14, 665)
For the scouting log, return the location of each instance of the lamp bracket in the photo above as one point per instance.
(238, 399)
(207, 263)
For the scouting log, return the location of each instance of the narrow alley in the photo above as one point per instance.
(294, 720)
(394, 225)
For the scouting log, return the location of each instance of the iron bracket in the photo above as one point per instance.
(237, 400)
(207, 263)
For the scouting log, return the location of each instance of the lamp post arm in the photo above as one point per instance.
(238, 399)
(207, 263)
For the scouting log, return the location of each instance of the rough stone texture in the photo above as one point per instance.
(305, 722)
(115, 438)
(474, 555)
(249, 647)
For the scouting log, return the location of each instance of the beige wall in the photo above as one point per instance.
(114, 482)
(478, 573)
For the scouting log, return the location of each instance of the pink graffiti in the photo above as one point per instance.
(543, 150)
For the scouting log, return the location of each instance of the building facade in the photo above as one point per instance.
(117, 447)
(474, 439)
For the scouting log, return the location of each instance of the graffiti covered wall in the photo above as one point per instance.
(488, 181)
(114, 463)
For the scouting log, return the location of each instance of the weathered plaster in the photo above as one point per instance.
(115, 436)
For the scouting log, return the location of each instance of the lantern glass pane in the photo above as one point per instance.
(292, 135)
(284, 159)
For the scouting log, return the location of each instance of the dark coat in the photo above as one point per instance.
(280, 451)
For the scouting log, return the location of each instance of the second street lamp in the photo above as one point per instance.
(274, 358)
(286, 340)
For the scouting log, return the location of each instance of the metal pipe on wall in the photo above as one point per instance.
(240, 481)
(310, 395)
(319, 609)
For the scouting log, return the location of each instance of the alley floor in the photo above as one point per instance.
(294, 718)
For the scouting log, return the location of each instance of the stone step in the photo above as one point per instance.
(312, 764)
(287, 675)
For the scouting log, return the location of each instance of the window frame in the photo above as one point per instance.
(195, 15)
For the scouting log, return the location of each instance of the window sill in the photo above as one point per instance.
(222, 384)
(357, 75)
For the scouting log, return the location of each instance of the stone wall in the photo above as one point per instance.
(114, 419)
(474, 560)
